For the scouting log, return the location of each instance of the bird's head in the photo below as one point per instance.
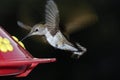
(38, 29)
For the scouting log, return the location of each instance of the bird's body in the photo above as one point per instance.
(52, 32)
(59, 41)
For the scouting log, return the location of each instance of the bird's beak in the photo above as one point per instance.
(28, 35)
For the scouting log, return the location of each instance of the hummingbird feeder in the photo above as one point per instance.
(14, 58)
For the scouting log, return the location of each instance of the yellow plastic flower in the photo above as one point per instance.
(5, 45)
(19, 42)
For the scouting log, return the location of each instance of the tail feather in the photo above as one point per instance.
(81, 51)
(81, 48)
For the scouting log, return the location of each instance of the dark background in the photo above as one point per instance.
(101, 38)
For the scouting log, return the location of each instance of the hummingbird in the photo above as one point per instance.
(52, 32)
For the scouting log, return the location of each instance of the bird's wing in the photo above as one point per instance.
(52, 17)
(22, 25)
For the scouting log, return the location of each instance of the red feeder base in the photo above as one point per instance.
(19, 61)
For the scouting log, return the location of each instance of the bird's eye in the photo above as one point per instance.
(36, 29)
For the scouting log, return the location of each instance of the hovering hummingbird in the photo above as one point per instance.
(52, 32)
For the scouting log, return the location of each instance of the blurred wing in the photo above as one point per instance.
(22, 25)
(52, 17)
(78, 20)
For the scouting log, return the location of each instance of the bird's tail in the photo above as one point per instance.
(81, 51)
